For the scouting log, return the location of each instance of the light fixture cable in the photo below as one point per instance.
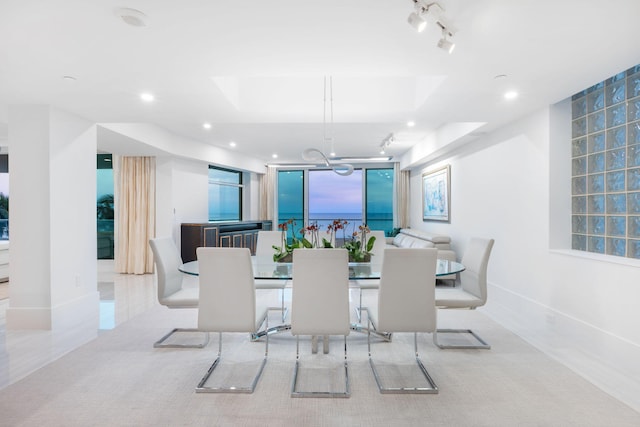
(315, 155)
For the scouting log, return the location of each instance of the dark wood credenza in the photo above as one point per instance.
(239, 234)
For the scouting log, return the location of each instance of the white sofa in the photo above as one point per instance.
(411, 238)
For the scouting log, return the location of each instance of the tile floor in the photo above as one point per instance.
(122, 297)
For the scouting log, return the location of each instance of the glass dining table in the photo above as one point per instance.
(264, 268)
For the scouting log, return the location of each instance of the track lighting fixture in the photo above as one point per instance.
(385, 143)
(444, 42)
(432, 12)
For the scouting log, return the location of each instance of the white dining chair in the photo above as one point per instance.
(470, 294)
(264, 249)
(228, 304)
(171, 292)
(406, 303)
(320, 305)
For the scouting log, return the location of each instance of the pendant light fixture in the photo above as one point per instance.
(315, 155)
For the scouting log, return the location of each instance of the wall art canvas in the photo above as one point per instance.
(436, 195)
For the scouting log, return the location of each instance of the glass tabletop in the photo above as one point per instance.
(265, 268)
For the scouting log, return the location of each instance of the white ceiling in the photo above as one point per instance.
(255, 69)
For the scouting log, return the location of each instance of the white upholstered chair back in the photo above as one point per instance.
(379, 244)
(227, 292)
(406, 298)
(171, 293)
(266, 241)
(320, 292)
(167, 259)
(476, 259)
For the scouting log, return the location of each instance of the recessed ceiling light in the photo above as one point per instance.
(206, 125)
(147, 97)
(411, 124)
(69, 79)
(512, 94)
(232, 144)
(275, 156)
(132, 17)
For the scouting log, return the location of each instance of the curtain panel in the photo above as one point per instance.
(404, 198)
(267, 193)
(135, 199)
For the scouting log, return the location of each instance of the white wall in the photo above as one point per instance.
(182, 194)
(53, 265)
(512, 185)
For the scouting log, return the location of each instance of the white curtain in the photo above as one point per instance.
(267, 194)
(135, 201)
(404, 199)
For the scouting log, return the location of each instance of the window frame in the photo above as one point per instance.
(305, 184)
(239, 185)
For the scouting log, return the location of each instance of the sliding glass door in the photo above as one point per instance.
(310, 196)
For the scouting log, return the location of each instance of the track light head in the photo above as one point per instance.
(444, 43)
(426, 11)
(417, 21)
(447, 45)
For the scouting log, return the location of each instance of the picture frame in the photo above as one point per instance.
(436, 195)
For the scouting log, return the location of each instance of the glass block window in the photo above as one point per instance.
(605, 166)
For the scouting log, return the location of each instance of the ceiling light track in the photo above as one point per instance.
(426, 12)
(386, 143)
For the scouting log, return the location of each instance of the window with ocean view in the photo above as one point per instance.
(225, 194)
(291, 197)
(379, 199)
(366, 196)
(104, 206)
(332, 196)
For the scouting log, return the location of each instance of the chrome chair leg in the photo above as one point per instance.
(483, 345)
(432, 389)
(202, 388)
(297, 393)
(160, 343)
(357, 327)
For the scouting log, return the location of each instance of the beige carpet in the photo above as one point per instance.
(119, 379)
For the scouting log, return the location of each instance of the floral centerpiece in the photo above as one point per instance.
(284, 252)
(357, 245)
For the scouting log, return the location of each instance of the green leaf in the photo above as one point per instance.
(370, 243)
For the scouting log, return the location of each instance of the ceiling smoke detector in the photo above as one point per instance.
(132, 17)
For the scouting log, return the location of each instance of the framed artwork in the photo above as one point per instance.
(436, 195)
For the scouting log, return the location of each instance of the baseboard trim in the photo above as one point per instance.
(606, 360)
(83, 311)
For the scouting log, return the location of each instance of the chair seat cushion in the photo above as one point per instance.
(184, 298)
(366, 283)
(456, 298)
(271, 284)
